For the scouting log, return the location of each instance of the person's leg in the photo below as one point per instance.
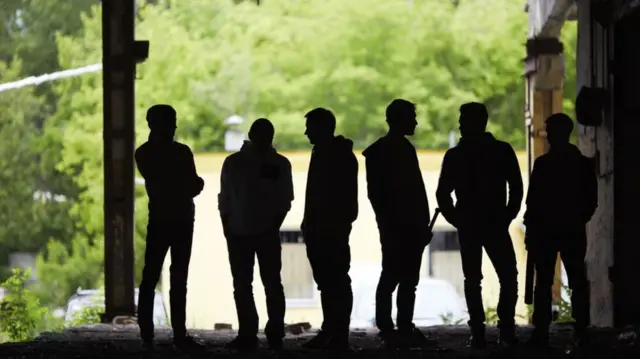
(269, 253)
(409, 278)
(410, 335)
(502, 255)
(241, 260)
(471, 255)
(155, 252)
(545, 264)
(341, 293)
(573, 255)
(318, 256)
(389, 280)
(181, 243)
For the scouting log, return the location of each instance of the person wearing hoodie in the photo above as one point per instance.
(562, 198)
(256, 191)
(478, 170)
(171, 181)
(397, 194)
(331, 206)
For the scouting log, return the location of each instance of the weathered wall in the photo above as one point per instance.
(626, 112)
(600, 229)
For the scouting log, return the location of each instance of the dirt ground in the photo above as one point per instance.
(104, 341)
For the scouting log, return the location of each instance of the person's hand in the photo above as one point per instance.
(225, 225)
(427, 236)
(530, 242)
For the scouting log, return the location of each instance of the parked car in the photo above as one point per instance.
(437, 303)
(87, 298)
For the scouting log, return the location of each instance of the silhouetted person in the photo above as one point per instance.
(256, 191)
(331, 206)
(562, 197)
(172, 182)
(478, 170)
(397, 194)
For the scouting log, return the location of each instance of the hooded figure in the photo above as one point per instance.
(256, 191)
(478, 170)
(171, 181)
(562, 198)
(331, 206)
(397, 194)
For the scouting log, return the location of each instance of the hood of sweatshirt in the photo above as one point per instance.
(251, 150)
(381, 145)
(568, 150)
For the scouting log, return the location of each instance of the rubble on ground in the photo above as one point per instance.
(122, 341)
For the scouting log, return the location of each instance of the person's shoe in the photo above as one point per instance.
(508, 338)
(148, 344)
(478, 339)
(187, 343)
(539, 338)
(320, 341)
(339, 344)
(242, 344)
(417, 339)
(390, 339)
(275, 344)
(581, 338)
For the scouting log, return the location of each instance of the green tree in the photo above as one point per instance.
(29, 212)
(214, 58)
(27, 48)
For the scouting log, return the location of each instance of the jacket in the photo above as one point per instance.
(256, 190)
(395, 186)
(171, 180)
(563, 191)
(331, 199)
(479, 173)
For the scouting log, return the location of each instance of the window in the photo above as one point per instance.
(297, 277)
(444, 260)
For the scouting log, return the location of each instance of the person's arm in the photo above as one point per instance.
(351, 186)
(141, 163)
(446, 186)
(145, 167)
(195, 184)
(535, 205)
(285, 192)
(514, 179)
(532, 211)
(224, 197)
(375, 187)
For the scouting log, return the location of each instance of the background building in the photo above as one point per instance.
(210, 293)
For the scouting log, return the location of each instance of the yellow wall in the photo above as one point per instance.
(210, 291)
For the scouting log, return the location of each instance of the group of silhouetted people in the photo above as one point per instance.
(257, 190)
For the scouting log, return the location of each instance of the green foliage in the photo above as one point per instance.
(20, 310)
(31, 145)
(448, 319)
(564, 308)
(89, 314)
(214, 58)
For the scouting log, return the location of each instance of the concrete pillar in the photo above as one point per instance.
(119, 141)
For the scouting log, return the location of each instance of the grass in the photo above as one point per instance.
(429, 160)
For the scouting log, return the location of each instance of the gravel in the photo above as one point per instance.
(107, 341)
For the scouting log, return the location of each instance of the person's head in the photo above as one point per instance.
(261, 133)
(320, 125)
(559, 127)
(162, 121)
(401, 117)
(473, 119)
